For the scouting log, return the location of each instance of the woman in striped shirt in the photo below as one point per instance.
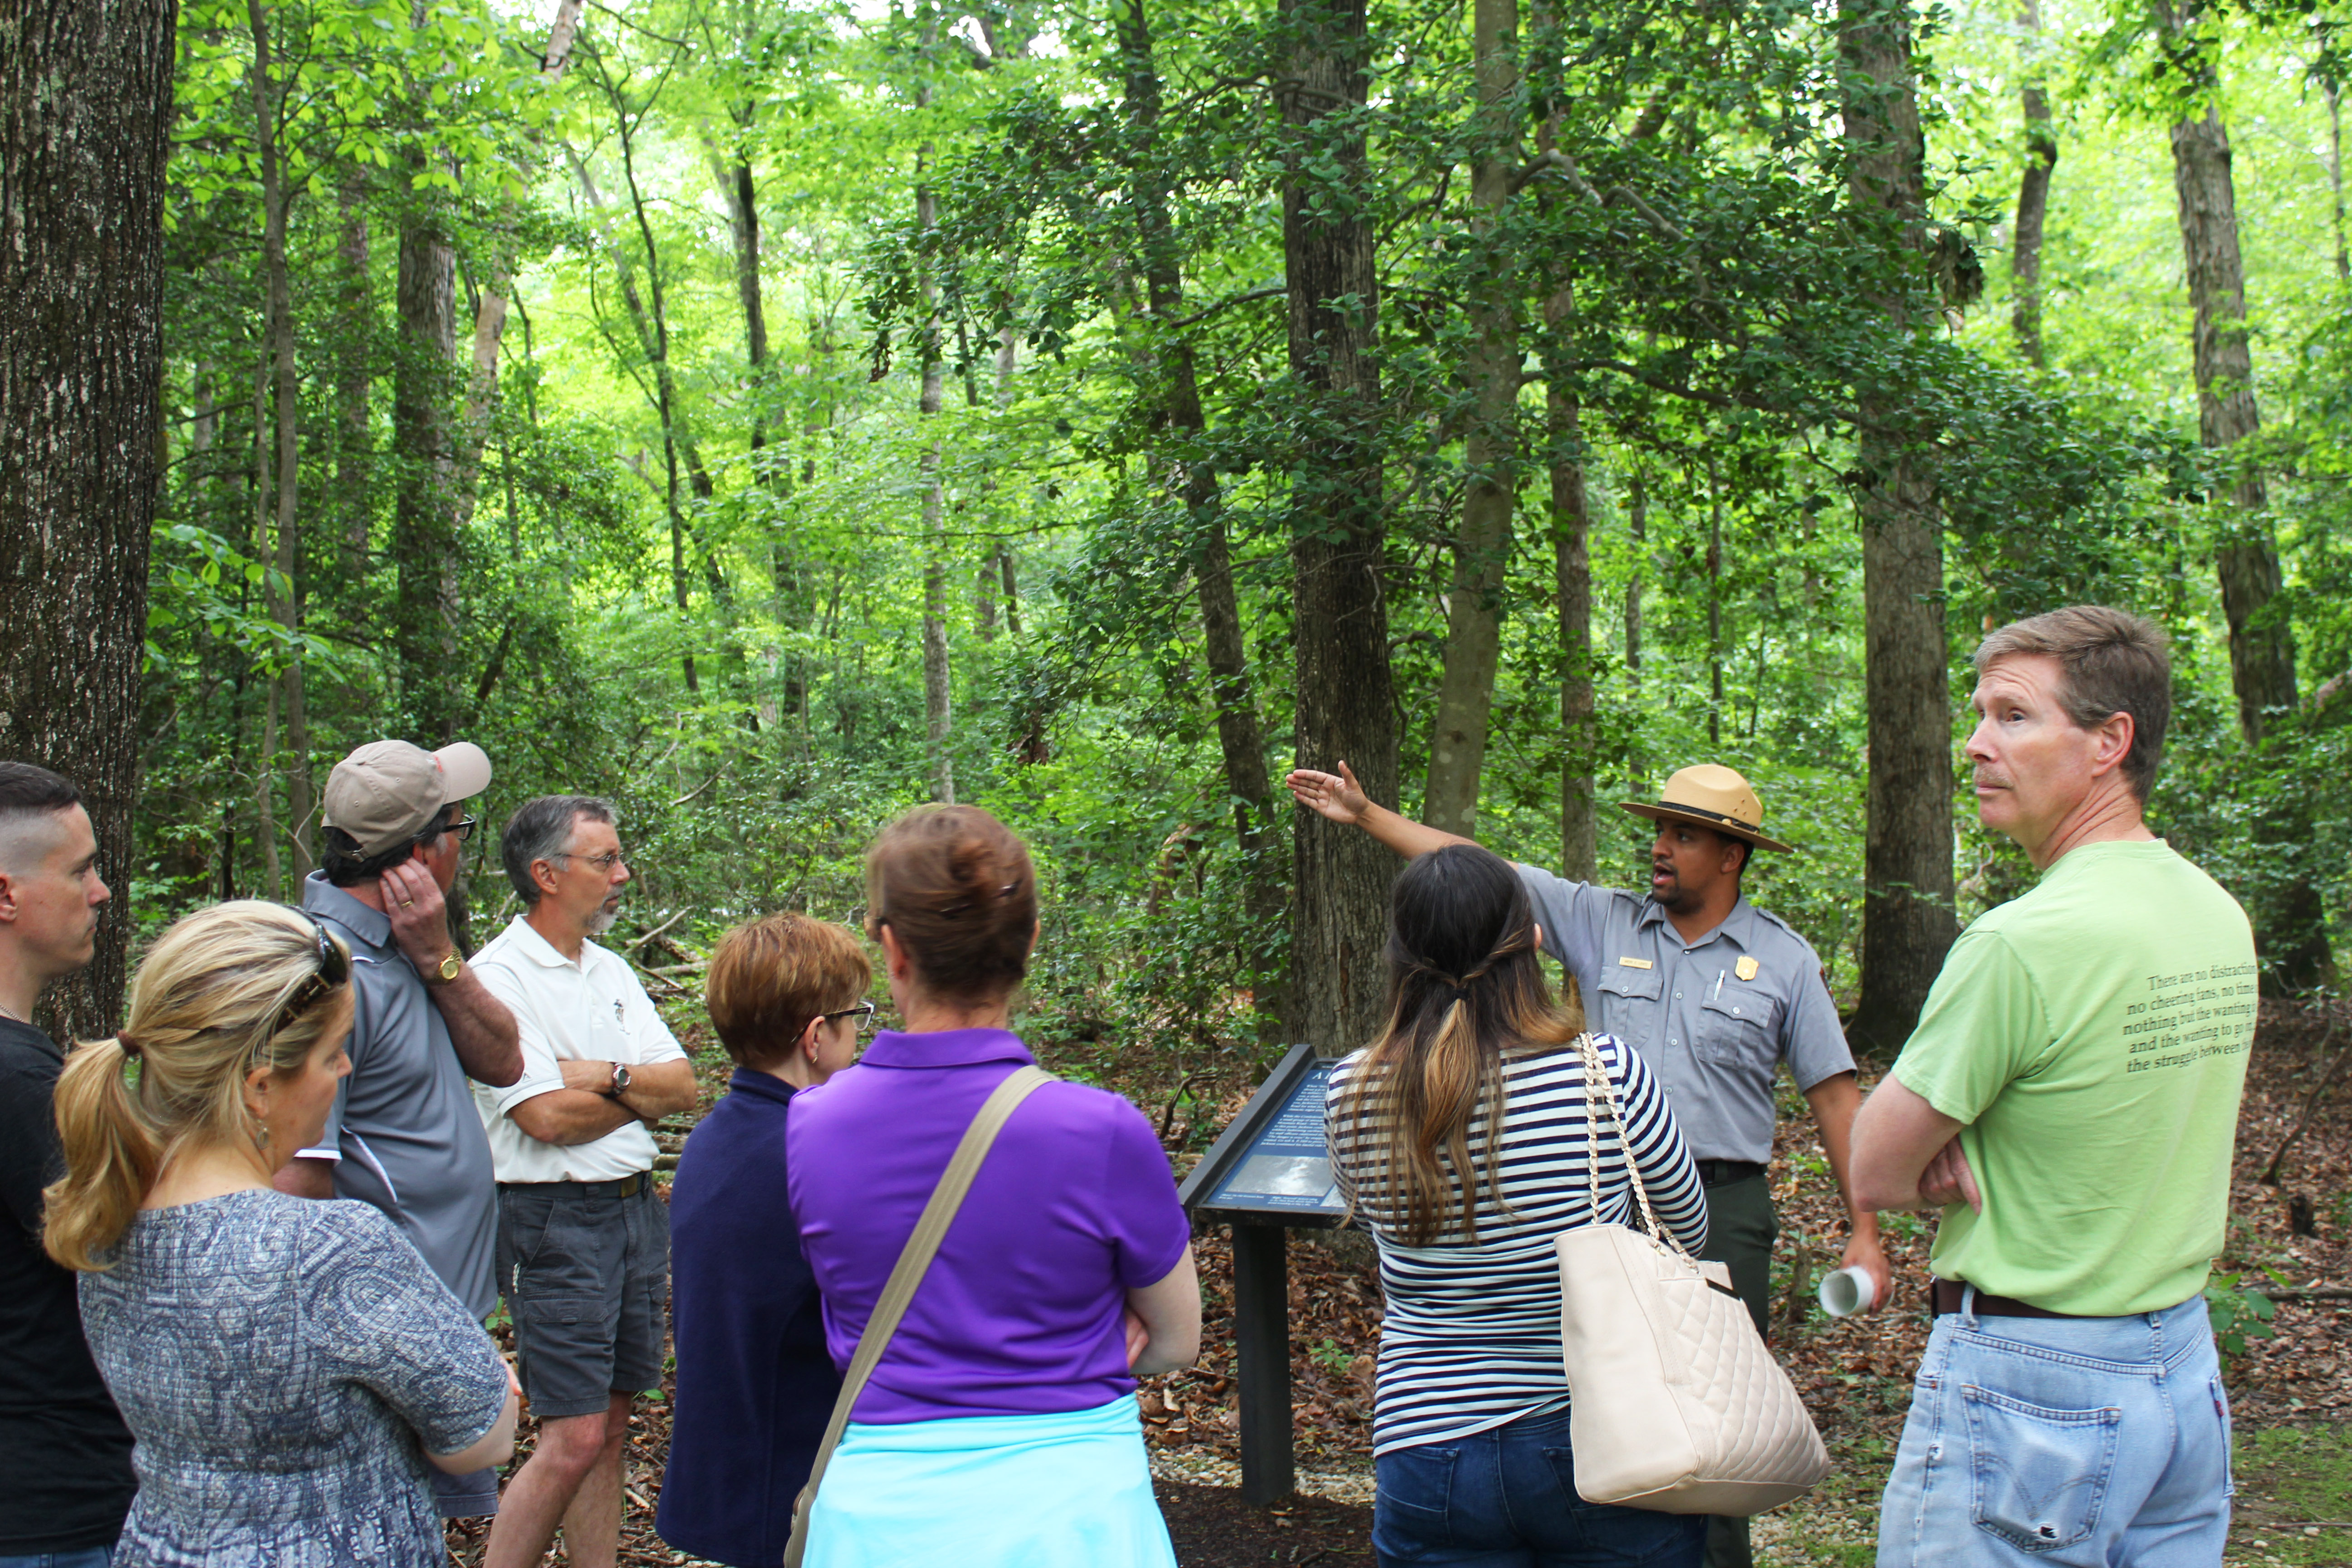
(1460, 1138)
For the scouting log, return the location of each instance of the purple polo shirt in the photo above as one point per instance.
(1020, 1314)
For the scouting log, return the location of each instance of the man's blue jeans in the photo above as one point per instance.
(89, 1557)
(1506, 1499)
(2070, 1442)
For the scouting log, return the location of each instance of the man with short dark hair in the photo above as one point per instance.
(1714, 994)
(2070, 1101)
(63, 1448)
(402, 1134)
(583, 1237)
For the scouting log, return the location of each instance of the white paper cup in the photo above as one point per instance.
(1847, 1291)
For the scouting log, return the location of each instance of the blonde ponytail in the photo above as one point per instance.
(224, 991)
(111, 1155)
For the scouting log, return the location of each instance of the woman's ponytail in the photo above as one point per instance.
(111, 1155)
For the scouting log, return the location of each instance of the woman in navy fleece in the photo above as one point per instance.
(754, 1383)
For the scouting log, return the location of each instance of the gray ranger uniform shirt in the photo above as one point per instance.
(1713, 1019)
(403, 1133)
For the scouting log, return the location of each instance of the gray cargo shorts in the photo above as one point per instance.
(585, 1272)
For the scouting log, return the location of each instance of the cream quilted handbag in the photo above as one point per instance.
(1674, 1403)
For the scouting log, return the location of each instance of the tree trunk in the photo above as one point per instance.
(1637, 533)
(939, 691)
(1474, 609)
(1714, 606)
(355, 380)
(490, 310)
(2289, 917)
(1240, 738)
(1572, 555)
(85, 123)
(424, 540)
(285, 596)
(1906, 910)
(2261, 647)
(1345, 701)
(2033, 193)
(2336, 179)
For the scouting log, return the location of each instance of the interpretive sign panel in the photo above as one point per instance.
(1270, 1166)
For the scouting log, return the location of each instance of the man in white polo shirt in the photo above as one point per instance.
(583, 1240)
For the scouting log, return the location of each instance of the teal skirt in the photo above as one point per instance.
(992, 1491)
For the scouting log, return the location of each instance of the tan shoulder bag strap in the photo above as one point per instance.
(913, 1263)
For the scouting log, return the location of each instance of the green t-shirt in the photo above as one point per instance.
(2093, 1035)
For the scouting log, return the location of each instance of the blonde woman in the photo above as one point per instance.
(1461, 1138)
(289, 1368)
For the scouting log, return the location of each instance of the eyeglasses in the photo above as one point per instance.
(603, 863)
(863, 1013)
(463, 827)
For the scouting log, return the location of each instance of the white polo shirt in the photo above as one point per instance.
(593, 1010)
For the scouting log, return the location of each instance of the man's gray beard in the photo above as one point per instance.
(603, 922)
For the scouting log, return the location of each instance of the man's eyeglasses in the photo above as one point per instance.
(463, 827)
(603, 863)
(863, 1013)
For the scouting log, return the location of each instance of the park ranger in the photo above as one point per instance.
(1712, 991)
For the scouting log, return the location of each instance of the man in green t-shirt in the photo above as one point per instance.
(2069, 1101)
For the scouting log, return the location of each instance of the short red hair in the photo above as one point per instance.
(768, 979)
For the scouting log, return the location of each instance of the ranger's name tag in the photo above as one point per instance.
(1635, 962)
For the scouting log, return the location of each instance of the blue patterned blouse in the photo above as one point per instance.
(279, 1361)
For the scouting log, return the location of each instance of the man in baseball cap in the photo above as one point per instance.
(1712, 991)
(403, 1134)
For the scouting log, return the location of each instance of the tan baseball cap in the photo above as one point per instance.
(1709, 797)
(384, 793)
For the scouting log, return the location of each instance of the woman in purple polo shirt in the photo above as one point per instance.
(1001, 1426)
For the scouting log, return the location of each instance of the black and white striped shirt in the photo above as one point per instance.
(1470, 1338)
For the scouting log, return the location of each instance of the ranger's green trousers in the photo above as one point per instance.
(1740, 1228)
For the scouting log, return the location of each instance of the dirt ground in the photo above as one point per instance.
(2290, 1392)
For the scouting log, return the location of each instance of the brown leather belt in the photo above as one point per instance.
(1946, 1296)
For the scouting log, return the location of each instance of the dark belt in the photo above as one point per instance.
(626, 1187)
(1723, 1172)
(1946, 1296)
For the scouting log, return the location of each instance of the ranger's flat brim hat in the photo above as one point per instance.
(384, 793)
(1709, 797)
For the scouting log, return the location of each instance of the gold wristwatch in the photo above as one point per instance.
(449, 968)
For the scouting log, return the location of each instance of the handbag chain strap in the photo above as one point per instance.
(1598, 1092)
(913, 1263)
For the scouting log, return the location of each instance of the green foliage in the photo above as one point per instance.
(2239, 1314)
(698, 579)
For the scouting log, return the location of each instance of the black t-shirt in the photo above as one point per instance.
(63, 1449)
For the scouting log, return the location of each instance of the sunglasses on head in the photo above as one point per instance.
(333, 972)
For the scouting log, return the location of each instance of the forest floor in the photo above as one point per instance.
(2291, 1393)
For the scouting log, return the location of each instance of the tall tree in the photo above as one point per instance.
(426, 541)
(286, 423)
(1241, 738)
(85, 123)
(938, 689)
(1345, 701)
(495, 300)
(2032, 191)
(1908, 920)
(2262, 645)
(1474, 610)
(2289, 921)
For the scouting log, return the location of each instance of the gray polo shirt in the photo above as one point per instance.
(1714, 1018)
(404, 1131)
